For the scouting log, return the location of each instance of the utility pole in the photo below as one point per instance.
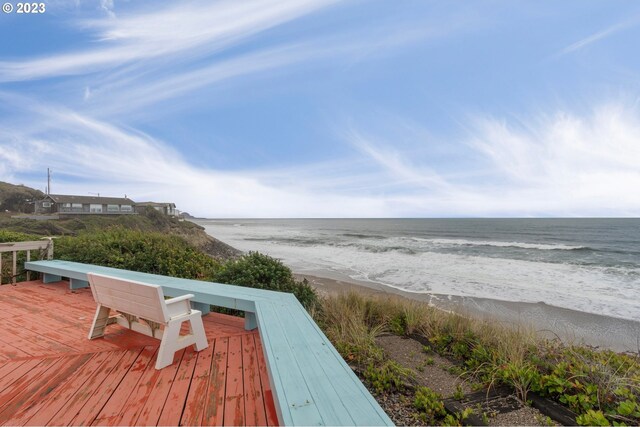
(48, 181)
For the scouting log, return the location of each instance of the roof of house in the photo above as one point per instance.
(154, 204)
(61, 198)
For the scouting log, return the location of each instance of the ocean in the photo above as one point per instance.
(589, 265)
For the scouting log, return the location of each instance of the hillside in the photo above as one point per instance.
(17, 198)
(13, 199)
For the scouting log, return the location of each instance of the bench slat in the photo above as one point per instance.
(295, 404)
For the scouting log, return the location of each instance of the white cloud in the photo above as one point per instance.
(107, 7)
(597, 36)
(559, 165)
(188, 29)
(89, 155)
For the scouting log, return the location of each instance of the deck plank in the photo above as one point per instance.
(150, 412)
(25, 380)
(69, 397)
(90, 389)
(214, 403)
(174, 405)
(15, 371)
(255, 413)
(270, 408)
(195, 403)
(21, 409)
(112, 410)
(234, 394)
(103, 392)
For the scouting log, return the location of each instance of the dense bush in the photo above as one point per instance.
(138, 251)
(13, 236)
(260, 271)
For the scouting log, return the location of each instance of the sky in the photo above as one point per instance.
(306, 108)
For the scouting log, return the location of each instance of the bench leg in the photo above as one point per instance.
(100, 322)
(201, 307)
(50, 278)
(168, 345)
(196, 327)
(250, 322)
(78, 284)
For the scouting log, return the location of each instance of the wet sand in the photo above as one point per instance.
(571, 326)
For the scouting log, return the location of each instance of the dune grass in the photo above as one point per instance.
(602, 387)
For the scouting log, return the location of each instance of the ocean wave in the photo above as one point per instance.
(521, 245)
(363, 236)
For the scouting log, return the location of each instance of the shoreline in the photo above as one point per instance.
(571, 326)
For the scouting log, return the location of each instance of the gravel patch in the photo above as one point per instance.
(431, 369)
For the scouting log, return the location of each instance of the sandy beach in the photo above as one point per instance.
(570, 326)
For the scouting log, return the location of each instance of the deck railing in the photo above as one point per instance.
(45, 248)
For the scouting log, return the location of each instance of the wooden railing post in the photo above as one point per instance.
(14, 270)
(50, 249)
(28, 259)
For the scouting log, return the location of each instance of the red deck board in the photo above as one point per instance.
(214, 403)
(30, 402)
(126, 389)
(16, 370)
(272, 415)
(87, 396)
(234, 394)
(175, 403)
(150, 412)
(65, 393)
(26, 380)
(51, 374)
(193, 411)
(254, 403)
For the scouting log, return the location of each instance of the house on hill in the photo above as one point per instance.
(80, 205)
(165, 208)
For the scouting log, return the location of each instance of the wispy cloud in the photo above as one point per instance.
(563, 164)
(87, 154)
(597, 36)
(188, 29)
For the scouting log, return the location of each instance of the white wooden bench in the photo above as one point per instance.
(142, 308)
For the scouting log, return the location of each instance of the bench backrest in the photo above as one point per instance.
(140, 299)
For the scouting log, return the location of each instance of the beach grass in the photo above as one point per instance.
(599, 386)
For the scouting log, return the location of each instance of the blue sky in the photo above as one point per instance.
(295, 108)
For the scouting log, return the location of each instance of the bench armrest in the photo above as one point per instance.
(178, 299)
(179, 306)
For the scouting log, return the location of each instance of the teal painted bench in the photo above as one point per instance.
(311, 383)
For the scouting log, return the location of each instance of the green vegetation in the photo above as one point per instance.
(170, 255)
(138, 251)
(429, 405)
(256, 270)
(17, 198)
(600, 386)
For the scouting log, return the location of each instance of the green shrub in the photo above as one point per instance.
(592, 418)
(389, 376)
(429, 404)
(256, 270)
(13, 236)
(138, 251)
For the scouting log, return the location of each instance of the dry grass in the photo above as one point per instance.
(582, 378)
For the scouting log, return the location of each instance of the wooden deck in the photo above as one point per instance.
(51, 374)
